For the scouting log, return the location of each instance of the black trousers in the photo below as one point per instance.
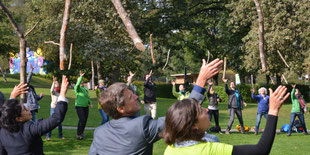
(82, 113)
(216, 116)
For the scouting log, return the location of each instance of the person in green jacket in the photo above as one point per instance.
(82, 102)
(99, 89)
(182, 94)
(299, 106)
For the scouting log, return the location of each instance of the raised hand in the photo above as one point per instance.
(64, 86)
(276, 99)
(172, 82)
(293, 85)
(18, 90)
(207, 71)
(81, 73)
(131, 75)
(252, 90)
(41, 95)
(224, 80)
(31, 67)
(54, 78)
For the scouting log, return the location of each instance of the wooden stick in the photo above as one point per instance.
(152, 49)
(51, 42)
(208, 57)
(224, 72)
(63, 34)
(70, 56)
(129, 26)
(283, 59)
(271, 80)
(166, 60)
(261, 35)
(284, 79)
(252, 81)
(35, 25)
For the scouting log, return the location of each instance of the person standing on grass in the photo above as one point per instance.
(133, 88)
(19, 135)
(214, 99)
(299, 106)
(128, 134)
(98, 90)
(82, 102)
(186, 123)
(235, 105)
(263, 105)
(182, 94)
(55, 92)
(150, 104)
(32, 97)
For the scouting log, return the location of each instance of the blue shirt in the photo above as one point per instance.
(263, 103)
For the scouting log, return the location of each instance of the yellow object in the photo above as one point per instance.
(246, 128)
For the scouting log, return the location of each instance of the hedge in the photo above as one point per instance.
(165, 91)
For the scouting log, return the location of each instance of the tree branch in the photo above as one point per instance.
(166, 60)
(34, 26)
(51, 42)
(12, 21)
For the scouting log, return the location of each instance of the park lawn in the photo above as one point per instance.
(296, 144)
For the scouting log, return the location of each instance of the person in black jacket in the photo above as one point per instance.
(214, 99)
(19, 135)
(235, 105)
(149, 96)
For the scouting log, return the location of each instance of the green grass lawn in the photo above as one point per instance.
(296, 144)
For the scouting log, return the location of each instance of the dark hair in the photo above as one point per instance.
(180, 120)
(9, 111)
(112, 98)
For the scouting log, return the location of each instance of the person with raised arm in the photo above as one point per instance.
(213, 109)
(55, 92)
(186, 123)
(299, 106)
(82, 102)
(32, 97)
(99, 89)
(19, 135)
(128, 134)
(263, 105)
(182, 94)
(235, 105)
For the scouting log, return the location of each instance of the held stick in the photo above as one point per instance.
(252, 81)
(224, 73)
(283, 59)
(152, 49)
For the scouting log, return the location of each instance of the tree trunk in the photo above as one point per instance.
(64, 27)
(3, 74)
(129, 26)
(99, 71)
(215, 80)
(23, 66)
(278, 78)
(92, 75)
(115, 73)
(267, 80)
(261, 35)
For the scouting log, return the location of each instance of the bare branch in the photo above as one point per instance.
(129, 26)
(224, 72)
(166, 60)
(51, 42)
(70, 56)
(284, 79)
(283, 59)
(152, 49)
(208, 56)
(261, 35)
(34, 26)
(12, 21)
(252, 81)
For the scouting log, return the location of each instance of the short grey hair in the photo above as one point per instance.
(112, 98)
(263, 88)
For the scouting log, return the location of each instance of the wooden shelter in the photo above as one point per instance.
(190, 78)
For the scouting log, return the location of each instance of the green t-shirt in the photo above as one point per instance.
(204, 148)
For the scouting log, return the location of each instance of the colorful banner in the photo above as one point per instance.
(34, 58)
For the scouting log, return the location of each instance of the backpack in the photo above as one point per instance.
(285, 128)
